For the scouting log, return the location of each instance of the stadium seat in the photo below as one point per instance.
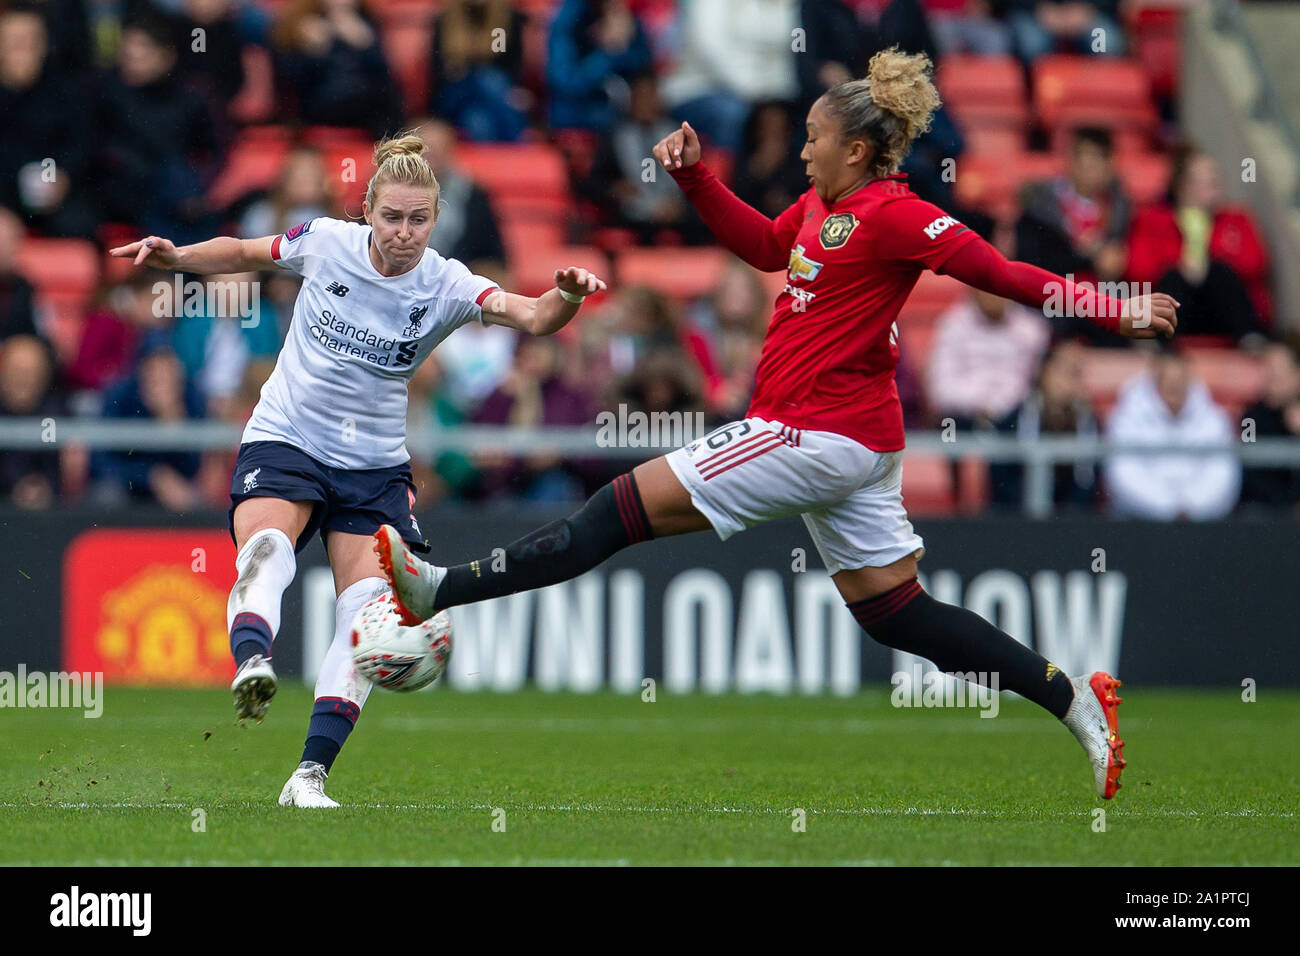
(927, 485)
(974, 487)
(984, 91)
(1235, 379)
(62, 269)
(253, 163)
(991, 183)
(515, 170)
(1105, 371)
(689, 272)
(535, 273)
(1082, 90)
(1145, 176)
(930, 297)
(524, 237)
(407, 38)
(65, 275)
(348, 156)
(992, 140)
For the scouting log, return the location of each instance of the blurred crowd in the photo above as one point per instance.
(121, 116)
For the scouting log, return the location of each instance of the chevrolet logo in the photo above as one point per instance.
(801, 267)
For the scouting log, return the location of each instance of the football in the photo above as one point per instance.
(393, 655)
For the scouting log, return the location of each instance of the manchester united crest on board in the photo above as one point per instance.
(837, 229)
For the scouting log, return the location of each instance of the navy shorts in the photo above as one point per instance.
(352, 501)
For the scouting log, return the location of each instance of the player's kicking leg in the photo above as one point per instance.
(851, 500)
(613, 518)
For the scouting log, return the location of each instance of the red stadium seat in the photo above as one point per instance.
(349, 158)
(65, 274)
(974, 486)
(992, 140)
(407, 39)
(931, 296)
(992, 183)
(535, 273)
(1145, 176)
(927, 485)
(685, 273)
(253, 164)
(524, 237)
(1235, 379)
(528, 170)
(1105, 371)
(987, 91)
(60, 269)
(1082, 90)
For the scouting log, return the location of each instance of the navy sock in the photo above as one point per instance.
(958, 640)
(249, 635)
(332, 719)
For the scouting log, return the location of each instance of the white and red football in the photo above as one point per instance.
(391, 654)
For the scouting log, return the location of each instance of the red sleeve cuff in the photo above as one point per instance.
(275, 248)
(482, 296)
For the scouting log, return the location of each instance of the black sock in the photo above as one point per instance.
(958, 640)
(612, 519)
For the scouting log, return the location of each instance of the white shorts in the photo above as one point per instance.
(851, 498)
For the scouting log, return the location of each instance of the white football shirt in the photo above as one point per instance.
(338, 390)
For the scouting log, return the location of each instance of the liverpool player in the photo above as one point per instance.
(325, 448)
(823, 436)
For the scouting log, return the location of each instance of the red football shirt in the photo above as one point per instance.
(831, 348)
(829, 356)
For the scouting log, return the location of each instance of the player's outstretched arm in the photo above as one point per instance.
(736, 224)
(215, 256)
(549, 312)
(981, 265)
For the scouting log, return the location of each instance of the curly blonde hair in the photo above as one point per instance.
(400, 160)
(888, 108)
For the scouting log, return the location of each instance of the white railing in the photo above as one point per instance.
(1038, 456)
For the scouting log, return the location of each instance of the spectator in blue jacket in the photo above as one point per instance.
(592, 43)
(156, 392)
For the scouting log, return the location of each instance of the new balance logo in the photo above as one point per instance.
(939, 226)
(338, 289)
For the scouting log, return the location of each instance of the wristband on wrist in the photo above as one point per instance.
(569, 296)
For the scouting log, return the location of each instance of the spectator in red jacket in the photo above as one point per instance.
(1206, 253)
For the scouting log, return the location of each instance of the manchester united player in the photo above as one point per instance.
(823, 436)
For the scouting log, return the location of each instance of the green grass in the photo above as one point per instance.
(610, 779)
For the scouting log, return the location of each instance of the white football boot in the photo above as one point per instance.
(306, 787)
(1093, 720)
(254, 686)
(415, 582)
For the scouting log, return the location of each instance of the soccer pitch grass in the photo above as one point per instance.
(608, 779)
